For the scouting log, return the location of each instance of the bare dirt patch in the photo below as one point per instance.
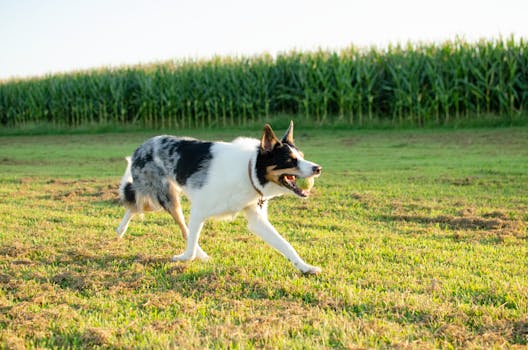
(96, 337)
(495, 222)
(351, 141)
(83, 190)
(466, 181)
(71, 280)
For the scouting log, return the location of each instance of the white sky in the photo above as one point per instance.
(44, 36)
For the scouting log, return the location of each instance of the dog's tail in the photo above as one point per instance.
(126, 190)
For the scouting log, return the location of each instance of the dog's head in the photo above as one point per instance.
(282, 163)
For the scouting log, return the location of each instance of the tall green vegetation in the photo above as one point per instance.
(414, 84)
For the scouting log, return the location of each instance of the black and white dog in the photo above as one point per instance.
(220, 179)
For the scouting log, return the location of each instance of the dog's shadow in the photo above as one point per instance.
(98, 268)
(87, 273)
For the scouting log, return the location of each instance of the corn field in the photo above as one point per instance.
(415, 84)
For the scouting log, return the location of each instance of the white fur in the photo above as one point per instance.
(305, 167)
(127, 177)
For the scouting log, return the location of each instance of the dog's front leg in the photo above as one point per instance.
(259, 224)
(195, 227)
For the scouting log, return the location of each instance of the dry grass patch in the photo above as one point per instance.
(494, 223)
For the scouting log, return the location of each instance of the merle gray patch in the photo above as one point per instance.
(183, 159)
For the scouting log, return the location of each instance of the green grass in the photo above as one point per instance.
(421, 236)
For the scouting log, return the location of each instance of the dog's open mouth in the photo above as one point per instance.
(290, 182)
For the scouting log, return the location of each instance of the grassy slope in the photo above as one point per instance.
(421, 236)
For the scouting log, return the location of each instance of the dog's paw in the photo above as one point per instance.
(182, 257)
(201, 255)
(310, 270)
(121, 231)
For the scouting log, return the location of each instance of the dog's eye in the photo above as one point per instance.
(291, 162)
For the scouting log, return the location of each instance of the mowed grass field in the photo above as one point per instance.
(421, 234)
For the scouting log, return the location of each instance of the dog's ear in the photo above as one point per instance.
(268, 140)
(288, 136)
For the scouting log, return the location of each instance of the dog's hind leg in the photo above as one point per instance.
(121, 229)
(175, 210)
(177, 213)
(192, 248)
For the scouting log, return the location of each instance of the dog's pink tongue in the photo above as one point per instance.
(290, 178)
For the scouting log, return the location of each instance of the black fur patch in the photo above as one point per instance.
(283, 158)
(262, 162)
(130, 194)
(194, 156)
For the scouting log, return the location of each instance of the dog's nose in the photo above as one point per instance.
(317, 169)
